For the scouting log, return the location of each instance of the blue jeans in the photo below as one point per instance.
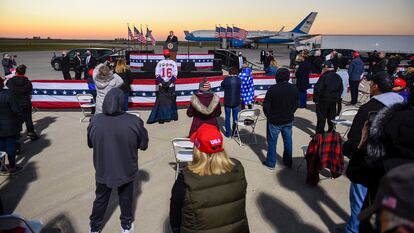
(357, 195)
(126, 97)
(272, 134)
(303, 95)
(8, 144)
(230, 111)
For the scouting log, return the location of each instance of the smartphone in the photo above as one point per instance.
(371, 116)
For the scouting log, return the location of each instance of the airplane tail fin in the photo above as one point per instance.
(306, 24)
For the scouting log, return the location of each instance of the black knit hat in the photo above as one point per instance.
(282, 75)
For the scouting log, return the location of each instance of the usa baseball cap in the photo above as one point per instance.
(208, 139)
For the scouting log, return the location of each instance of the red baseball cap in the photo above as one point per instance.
(399, 82)
(355, 54)
(208, 139)
(166, 52)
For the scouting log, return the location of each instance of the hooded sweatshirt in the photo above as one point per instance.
(21, 87)
(115, 137)
(376, 103)
(103, 84)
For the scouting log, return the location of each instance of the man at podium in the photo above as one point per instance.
(171, 43)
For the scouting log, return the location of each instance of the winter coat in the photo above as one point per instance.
(204, 108)
(316, 65)
(103, 84)
(7, 65)
(376, 103)
(10, 114)
(207, 204)
(247, 86)
(389, 145)
(231, 86)
(280, 103)
(115, 137)
(328, 88)
(302, 75)
(380, 66)
(356, 69)
(127, 79)
(64, 64)
(21, 87)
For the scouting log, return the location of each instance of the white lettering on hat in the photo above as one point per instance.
(215, 141)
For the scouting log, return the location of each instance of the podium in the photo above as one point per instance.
(173, 48)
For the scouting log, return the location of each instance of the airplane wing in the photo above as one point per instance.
(257, 38)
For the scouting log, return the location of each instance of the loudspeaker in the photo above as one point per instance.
(149, 66)
(188, 66)
(217, 64)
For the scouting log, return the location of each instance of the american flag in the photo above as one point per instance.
(239, 33)
(217, 33)
(229, 32)
(222, 32)
(149, 35)
(139, 36)
(130, 35)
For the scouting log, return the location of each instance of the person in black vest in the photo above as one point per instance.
(64, 64)
(90, 63)
(209, 195)
(77, 66)
(327, 96)
(9, 126)
(115, 137)
(21, 87)
(279, 107)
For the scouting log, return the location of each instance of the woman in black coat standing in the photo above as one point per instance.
(302, 78)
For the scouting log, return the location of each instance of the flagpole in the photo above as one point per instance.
(133, 41)
(141, 33)
(128, 35)
(146, 42)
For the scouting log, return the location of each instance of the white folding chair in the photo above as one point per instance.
(363, 92)
(304, 148)
(86, 103)
(247, 119)
(183, 152)
(134, 113)
(12, 221)
(341, 119)
(259, 102)
(3, 156)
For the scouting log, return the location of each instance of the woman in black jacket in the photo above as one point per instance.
(9, 126)
(123, 70)
(302, 79)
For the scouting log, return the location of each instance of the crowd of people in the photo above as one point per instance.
(214, 184)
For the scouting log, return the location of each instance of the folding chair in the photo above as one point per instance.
(12, 221)
(363, 93)
(3, 156)
(345, 122)
(304, 149)
(259, 102)
(183, 152)
(245, 116)
(86, 103)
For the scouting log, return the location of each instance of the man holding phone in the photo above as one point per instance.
(381, 85)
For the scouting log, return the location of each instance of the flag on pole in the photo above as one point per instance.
(149, 35)
(222, 32)
(239, 33)
(229, 32)
(130, 35)
(139, 37)
(217, 33)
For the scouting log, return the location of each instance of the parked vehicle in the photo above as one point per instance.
(101, 55)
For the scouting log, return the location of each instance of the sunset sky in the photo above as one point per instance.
(107, 19)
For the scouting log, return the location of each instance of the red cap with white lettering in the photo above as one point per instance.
(208, 139)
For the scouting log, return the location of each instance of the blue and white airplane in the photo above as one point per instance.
(300, 32)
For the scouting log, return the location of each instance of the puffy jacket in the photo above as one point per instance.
(231, 86)
(204, 108)
(210, 204)
(328, 88)
(21, 87)
(103, 84)
(302, 75)
(356, 69)
(9, 114)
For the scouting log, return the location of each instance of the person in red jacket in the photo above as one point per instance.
(204, 108)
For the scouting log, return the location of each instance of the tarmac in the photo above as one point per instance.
(57, 184)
